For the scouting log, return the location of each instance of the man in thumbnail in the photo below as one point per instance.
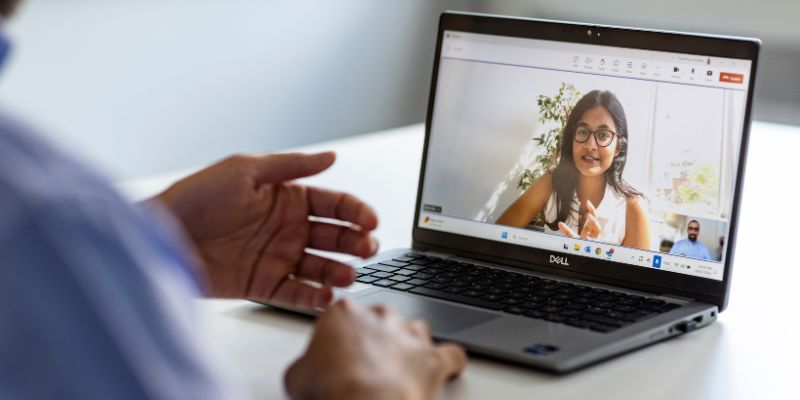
(585, 195)
(690, 247)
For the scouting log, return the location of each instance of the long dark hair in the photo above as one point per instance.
(565, 175)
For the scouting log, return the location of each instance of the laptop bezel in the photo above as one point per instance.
(587, 268)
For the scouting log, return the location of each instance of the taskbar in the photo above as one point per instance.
(558, 243)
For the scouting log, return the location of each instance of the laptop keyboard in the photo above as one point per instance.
(576, 305)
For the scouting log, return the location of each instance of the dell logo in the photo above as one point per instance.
(559, 260)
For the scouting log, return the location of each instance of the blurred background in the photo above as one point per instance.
(141, 87)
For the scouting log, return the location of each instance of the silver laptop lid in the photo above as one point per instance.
(599, 151)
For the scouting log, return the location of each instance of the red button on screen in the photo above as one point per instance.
(730, 77)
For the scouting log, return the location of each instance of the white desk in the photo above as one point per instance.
(751, 352)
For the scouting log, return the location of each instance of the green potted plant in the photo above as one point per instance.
(553, 114)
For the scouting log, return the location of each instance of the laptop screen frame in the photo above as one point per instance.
(586, 268)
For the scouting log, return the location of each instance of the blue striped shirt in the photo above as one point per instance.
(95, 293)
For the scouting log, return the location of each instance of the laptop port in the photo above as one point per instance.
(688, 326)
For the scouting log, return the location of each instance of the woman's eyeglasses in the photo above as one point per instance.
(603, 137)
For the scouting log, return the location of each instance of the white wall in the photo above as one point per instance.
(146, 86)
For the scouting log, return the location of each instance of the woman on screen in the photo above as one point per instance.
(585, 196)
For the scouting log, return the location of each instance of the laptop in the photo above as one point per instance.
(579, 189)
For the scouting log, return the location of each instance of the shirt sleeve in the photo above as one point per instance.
(96, 303)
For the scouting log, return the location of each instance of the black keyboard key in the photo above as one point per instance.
(381, 274)
(551, 309)
(531, 305)
(367, 279)
(414, 267)
(406, 272)
(603, 320)
(534, 314)
(422, 261)
(384, 283)
(453, 289)
(492, 297)
(380, 267)
(627, 302)
(511, 302)
(595, 310)
(364, 271)
(472, 293)
(422, 275)
(393, 263)
(457, 298)
(571, 313)
(624, 309)
(514, 310)
(399, 278)
(403, 259)
(417, 282)
(555, 318)
(648, 307)
(435, 286)
(575, 306)
(401, 286)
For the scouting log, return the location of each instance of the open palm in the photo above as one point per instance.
(252, 228)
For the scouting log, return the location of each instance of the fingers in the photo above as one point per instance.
(591, 208)
(342, 206)
(293, 293)
(591, 228)
(325, 271)
(288, 166)
(420, 329)
(566, 230)
(341, 239)
(453, 359)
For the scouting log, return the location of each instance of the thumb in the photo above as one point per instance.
(591, 208)
(288, 166)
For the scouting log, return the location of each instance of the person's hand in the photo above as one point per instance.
(251, 228)
(359, 353)
(591, 226)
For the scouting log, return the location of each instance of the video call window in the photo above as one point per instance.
(639, 163)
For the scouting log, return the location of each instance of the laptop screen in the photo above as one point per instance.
(618, 154)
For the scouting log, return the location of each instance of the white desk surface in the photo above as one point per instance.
(752, 352)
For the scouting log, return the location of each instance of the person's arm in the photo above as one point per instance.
(707, 254)
(371, 354)
(529, 204)
(95, 303)
(637, 229)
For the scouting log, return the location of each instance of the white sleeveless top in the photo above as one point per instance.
(611, 214)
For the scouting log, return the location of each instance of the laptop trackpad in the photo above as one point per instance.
(443, 318)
